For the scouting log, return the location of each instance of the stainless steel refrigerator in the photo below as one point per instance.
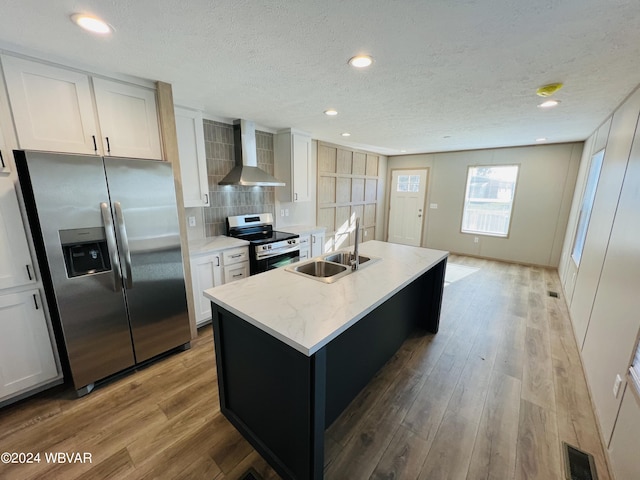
(107, 238)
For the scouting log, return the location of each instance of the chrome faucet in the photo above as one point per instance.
(355, 257)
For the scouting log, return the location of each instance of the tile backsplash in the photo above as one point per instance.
(228, 200)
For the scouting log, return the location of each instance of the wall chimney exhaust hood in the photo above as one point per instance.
(246, 171)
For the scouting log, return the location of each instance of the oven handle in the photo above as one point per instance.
(275, 253)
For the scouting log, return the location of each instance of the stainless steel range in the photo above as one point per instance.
(269, 248)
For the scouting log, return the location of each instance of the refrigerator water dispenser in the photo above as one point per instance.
(85, 251)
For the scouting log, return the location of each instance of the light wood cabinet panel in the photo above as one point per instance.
(371, 190)
(15, 260)
(327, 190)
(327, 159)
(348, 186)
(26, 350)
(326, 218)
(343, 190)
(128, 119)
(359, 163)
(344, 161)
(372, 165)
(369, 234)
(369, 214)
(342, 218)
(193, 160)
(357, 193)
(52, 107)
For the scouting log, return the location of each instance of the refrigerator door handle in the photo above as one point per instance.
(111, 245)
(124, 241)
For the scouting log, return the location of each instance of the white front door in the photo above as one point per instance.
(406, 206)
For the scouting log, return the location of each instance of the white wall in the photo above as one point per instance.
(541, 206)
(605, 302)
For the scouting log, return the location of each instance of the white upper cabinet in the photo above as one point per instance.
(292, 152)
(26, 352)
(128, 119)
(193, 161)
(52, 107)
(53, 110)
(15, 261)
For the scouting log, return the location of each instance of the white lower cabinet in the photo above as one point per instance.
(215, 268)
(311, 242)
(305, 247)
(26, 353)
(317, 244)
(207, 273)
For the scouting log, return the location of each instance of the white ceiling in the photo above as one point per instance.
(448, 75)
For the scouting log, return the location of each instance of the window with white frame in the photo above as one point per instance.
(488, 199)
(634, 370)
(586, 206)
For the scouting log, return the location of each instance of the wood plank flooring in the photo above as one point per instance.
(491, 396)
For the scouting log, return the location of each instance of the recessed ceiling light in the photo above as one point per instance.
(91, 23)
(403, 151)
(549, 103)
(361, 61)
(331, 112)
(541, 139)
(346, 134)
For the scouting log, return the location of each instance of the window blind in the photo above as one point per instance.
(635, 369)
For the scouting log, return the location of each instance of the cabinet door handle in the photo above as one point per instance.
(236, 255)
(313, 239)
(218, 261)
(95, 145)
(108, 145)
(238, 275)
(295, 196)
(28, 272)
(2, 161)
(35, 301)
(206, 198)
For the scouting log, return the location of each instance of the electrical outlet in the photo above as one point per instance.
(616, 386)
(192, 221)
(282, 212)
(433, 206)
(286, 212)
(475, 239)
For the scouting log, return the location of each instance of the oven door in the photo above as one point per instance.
(275, 260)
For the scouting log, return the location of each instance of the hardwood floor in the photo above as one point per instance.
(491, 396)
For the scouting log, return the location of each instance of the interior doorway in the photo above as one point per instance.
(408, 191)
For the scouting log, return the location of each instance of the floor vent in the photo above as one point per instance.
(251, 474)
(578, 465)
(552, 294)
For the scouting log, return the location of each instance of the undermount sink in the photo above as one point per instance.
(344, 258)
(320, 268)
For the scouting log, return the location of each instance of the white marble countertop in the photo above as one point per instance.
(307, 314)
(301, 229)
(214, 244)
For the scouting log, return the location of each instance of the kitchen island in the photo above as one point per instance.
(292, 352)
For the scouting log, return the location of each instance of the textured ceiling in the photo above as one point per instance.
(448, 75)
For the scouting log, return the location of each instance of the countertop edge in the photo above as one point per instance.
(310, 350)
